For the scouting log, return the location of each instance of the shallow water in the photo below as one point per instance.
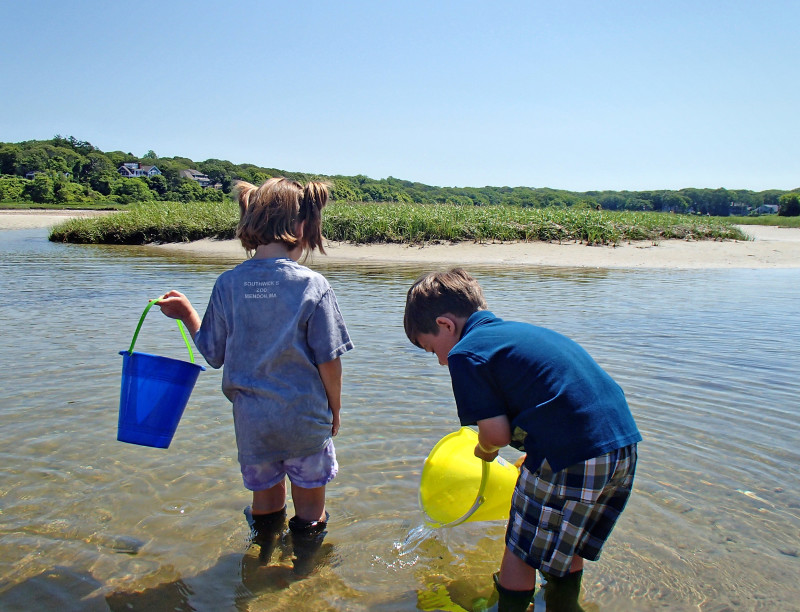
(708, 360)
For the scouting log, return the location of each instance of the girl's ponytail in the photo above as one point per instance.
(315, 197)
(243, 191)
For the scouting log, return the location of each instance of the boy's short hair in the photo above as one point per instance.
(454, 291)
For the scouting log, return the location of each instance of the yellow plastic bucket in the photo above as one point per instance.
(457, 487)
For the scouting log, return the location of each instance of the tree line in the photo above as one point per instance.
(68, 170)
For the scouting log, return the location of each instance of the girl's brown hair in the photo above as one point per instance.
(437, 293)
(270, 213)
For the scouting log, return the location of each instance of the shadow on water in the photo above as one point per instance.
(234, 582)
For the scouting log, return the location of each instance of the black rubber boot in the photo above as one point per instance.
(561, 593)
(512, 601)
(266, 530)
(307, 538)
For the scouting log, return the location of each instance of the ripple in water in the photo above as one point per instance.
(705, 359)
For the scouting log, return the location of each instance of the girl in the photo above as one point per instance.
(276, 327)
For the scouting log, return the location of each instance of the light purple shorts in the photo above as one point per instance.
(308, 472)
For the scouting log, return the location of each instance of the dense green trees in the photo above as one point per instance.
(71, 170)
(789, 205)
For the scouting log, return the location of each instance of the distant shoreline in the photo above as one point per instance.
(36, 218)
(771, 247)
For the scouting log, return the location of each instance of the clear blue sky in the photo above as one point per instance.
(566, 94)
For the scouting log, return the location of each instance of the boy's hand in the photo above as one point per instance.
(493, 434)
(336, 424)
(485, 454)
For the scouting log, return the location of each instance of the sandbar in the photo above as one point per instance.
(769, 247)
(34, 219)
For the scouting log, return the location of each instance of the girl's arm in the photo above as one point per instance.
(493, 434)
(331, 374)
(177, 306)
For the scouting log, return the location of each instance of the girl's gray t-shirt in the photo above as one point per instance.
(271, 322)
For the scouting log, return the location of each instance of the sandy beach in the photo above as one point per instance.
(32, 219)
(770, 247)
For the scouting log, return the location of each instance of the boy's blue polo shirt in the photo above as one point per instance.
(561, 404)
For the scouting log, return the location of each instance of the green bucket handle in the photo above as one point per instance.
(147, 308)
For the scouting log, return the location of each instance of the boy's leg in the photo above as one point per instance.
(595, 493)
(537, 537)
(561, 593)
(515, 574)
(515, 584)
(511, 601)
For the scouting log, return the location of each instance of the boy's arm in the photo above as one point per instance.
(331, 374)
(493, 434)
(177, 306)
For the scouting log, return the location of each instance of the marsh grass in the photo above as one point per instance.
(410, 223)
(767, 220)
(153, 222)
(403, 223)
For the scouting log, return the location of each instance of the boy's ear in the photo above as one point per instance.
(446, 324)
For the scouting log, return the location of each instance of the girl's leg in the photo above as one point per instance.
(270, 500)
(308, 527)
(309, 504)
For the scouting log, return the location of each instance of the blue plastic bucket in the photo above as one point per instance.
(154, 393)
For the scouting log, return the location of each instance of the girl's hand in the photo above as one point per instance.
(175, 305)
(336, 425)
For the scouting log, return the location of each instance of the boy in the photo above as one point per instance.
(542, 393)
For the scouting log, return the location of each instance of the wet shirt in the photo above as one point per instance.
(270, 322)
(561, 404)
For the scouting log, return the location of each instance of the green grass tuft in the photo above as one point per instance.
(153, 222)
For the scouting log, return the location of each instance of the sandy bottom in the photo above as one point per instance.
(770, 247)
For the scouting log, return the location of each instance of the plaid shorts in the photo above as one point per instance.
(555, 516)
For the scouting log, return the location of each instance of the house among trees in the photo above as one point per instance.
(197, 176)
(767, 209)
(134, 169)
(32, 175)
(739, 208)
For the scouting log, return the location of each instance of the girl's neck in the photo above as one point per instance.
(275, 250)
